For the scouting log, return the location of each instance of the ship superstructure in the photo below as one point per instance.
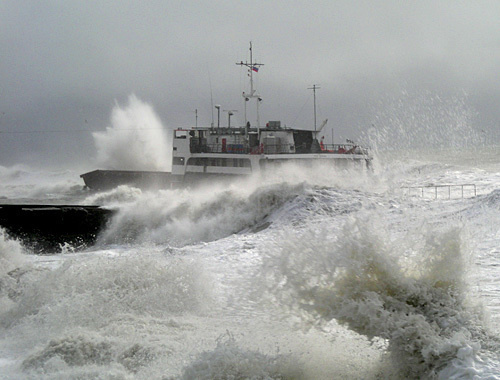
(207, 152)
(202, 152)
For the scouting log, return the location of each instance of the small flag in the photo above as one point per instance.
(255, 68)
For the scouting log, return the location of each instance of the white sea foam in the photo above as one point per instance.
(421, 307)
(326, 244)
(12, 258)
(212, 211)
(93, 311)
(87, 291)
(11, 254)
(228, 361)
(25, 184)
(180, 217)
(119, 195)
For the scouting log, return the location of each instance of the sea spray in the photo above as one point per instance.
(20, 182)
(362, 281)
(114, 198)
(136, 139)
(215, 210)
(89, 292)
(180, 217)
(421, 124)
(89, 354)
(141, 338)
(11, 253)
(424, 121)
(91, 311)
(229, 361)
(12, 262)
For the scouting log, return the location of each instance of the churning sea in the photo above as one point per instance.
(303, 274)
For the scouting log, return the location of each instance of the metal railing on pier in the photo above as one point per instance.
(466, 190)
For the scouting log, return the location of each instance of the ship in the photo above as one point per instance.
(226, 152)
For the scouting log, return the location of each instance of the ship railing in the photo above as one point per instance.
(343, 149)
(304, 149)
(220, 148)
(444, 191)
(244, 148)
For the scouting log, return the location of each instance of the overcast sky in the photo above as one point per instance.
(65, 64)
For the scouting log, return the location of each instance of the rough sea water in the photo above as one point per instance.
(308, 273)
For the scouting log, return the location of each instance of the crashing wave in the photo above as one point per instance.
(420, 305)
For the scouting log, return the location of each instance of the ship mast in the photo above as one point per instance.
(252, 67)
(315, 147)
(314, 88)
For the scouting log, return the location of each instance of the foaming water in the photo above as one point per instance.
(303, 274)
(12, 258)
(228, 361)
(180, 217)
(148, 313)
(21, 183)
(418, 301)
(94, 289)
(136, 139)
(212, 211)
(95, 311)
(11, 254)
(115, 197)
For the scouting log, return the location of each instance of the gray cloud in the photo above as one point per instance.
(65, 63)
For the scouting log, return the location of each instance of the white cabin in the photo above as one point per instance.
(205, 151)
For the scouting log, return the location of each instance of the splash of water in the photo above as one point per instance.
(86, 292)
(228, 361)
(425, 121)
(180, 217)
(83, 317)
(119, 195)
(11, 259)
(417, 303)
(215, 210)
(20, 181)
(136, 139)
(11, 254)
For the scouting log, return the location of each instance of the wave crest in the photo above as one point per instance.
(228, 361)
(418, 304)
(180, 217)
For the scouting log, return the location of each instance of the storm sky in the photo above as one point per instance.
(65, 64)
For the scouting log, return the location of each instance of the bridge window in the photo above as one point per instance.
(178, 160)
(181, 134)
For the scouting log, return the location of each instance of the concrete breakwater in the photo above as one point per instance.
(49, 228)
